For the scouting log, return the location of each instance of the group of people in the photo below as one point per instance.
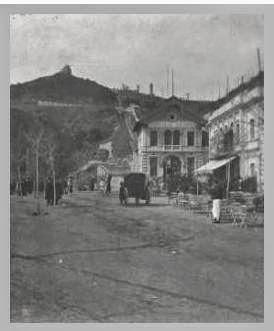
(68, 185)
(22, 187)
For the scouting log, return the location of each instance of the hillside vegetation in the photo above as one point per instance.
(74, 114)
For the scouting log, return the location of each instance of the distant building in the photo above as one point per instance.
(236, 131)
(172, 138)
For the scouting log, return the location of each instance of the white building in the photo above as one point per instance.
(236, 129)
(172, 138)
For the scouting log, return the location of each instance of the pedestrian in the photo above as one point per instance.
(108, 186)
(58, 191)
(92, 184)
(148, 192)
(49, 192)
(216, 196)
(24, 187)
(123, 194)
(70, 185)
(19, 188)
(65, 186)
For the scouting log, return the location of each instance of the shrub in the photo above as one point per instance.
(249, 185)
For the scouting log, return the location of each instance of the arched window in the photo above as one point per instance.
(168, 137)
(252, 128)
(237, 134)
(153, 138)
(176, 137)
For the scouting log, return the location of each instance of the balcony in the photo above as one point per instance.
(223, 150)
(173, 148)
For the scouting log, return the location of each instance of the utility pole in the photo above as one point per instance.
(167, 81)
(259, 60)
(172, 82)
(227, 84)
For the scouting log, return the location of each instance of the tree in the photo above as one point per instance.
(34, 138)
(49, 153)
(18, 156)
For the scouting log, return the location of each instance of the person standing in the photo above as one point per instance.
(123, 194)
(70, 185)
(49, 196)
(92, 184)
(108, 187)
(216, 196)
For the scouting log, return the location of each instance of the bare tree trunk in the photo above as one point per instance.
(44, 188)
(54, 187)
(37, 180)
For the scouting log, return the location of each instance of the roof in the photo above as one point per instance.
(191, 110)
(90, 164)
(257, 80)
(116, 169)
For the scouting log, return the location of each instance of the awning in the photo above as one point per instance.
(212, 165)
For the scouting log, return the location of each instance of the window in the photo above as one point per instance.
(176, 137)
(204, 138)
(238, 132)
(252, 128)
(190, 166)
(252, 170)
(190, 138)
(153, 166)
(153, 138)
(168, 137)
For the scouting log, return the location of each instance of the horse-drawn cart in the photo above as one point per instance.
(137, 185)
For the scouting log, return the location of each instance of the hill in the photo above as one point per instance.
(79, 113)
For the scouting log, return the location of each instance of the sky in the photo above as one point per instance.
(206, 52)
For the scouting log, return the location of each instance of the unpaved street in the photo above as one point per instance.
(91, 260)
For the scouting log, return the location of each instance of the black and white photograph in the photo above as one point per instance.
(136, 168)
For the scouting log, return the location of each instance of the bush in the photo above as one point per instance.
(259, 203)
(249, 185)
(185, 184)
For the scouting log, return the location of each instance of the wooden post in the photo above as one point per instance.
(228, 179)
(37, 177)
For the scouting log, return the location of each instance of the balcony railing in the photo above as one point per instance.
(173, 148)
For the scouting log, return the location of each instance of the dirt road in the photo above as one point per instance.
(91, 260)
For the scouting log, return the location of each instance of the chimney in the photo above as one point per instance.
(187, 96)
(151, 89)
(138, 88)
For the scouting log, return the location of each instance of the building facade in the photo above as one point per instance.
(236, 128)
(171, 140)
